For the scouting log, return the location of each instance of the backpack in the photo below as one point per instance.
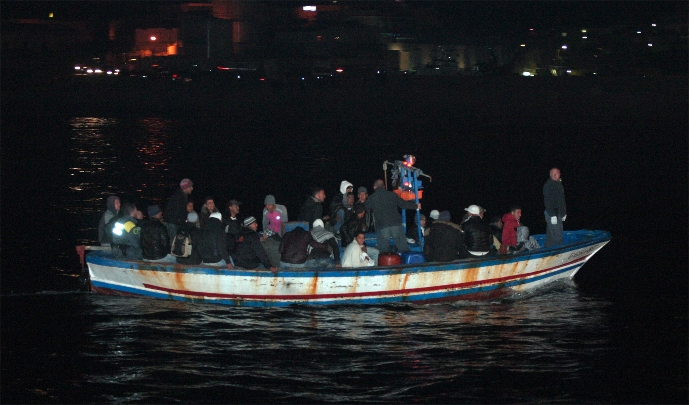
(181, 245)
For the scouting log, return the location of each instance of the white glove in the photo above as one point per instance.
(564, 218)
(553, 220)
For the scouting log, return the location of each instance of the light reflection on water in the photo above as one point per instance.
(162, 351)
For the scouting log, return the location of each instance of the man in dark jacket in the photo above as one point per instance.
(176, 209)
(195, 233)
(355, 223)
(312, 209)
(294, 248)
(155, 242)
(212, 244)
(126, 234)
(385, 207)
(555, 208)
(445, 241)
(249, 253)
(477, 236)
(233, 224)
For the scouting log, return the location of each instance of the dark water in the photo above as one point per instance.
(617, 334)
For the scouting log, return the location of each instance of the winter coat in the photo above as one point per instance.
(249, 252)
(176, 209)
(445, 242)
(310, 211)
(554, 199)
(385, 206)
(155, 240)
(104, 235)
(509, 230)
(294, 248)
(212, 244)
(477, 236)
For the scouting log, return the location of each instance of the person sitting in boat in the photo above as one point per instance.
(175, 211)
(212, 245)
(233, 224)
(190, 228)
(207, 209)
(510, 223)
(525, 242)
(126, 234)
(355, 223)
(112, 211)
(477, 236)
(249, 253)
(385, 206)
(413, 231)
(295, 246)
(445, 241)
(274, 215)
(319, 256)
(362, 195)
(155, 242)
(495, 227)
(356, 255)
(312, 209)
(190, 209)
(339, 198)
(342, 211)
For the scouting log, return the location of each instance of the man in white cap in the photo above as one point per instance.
(477, 236)
(175, 213)
(212, 244)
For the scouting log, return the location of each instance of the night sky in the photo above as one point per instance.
(473, 17)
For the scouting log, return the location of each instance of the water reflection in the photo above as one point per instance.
(153, 150)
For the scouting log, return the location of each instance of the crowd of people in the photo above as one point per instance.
(178, 234)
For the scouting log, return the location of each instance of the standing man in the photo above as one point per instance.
(555, 208)
(175, 213)
(312, 209)
(384, 205)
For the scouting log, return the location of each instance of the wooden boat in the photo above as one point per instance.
(468, 279)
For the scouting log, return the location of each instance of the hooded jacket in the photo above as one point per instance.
(104, 236)
(509, 230)
(212, 243)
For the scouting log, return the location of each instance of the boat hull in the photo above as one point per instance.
(471, 279)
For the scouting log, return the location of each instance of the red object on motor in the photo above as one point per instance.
(389, 259)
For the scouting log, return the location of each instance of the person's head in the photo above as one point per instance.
(318, 193)
(210, 204)
(445, 216)
(496, 221)
(190, 206)
(555, 173)
(269, 203)
(434, 214)
(192, 217)
(378, 183)
(362, 194)
(250, 222)
(346, 187)
(187, 186)
(113, 203)
(422, 220)
(216, 215)
(233, 206)
(318, 223)
(482, 211)
(360, 238)
(350, 199)
(516, 211)
(359, 210)
(154, 212)
(139, 214)
(129, 209)
(473, 210)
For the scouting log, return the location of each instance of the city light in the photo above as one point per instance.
(153, 38)
(653, 25)
(564, 46)
(522, 45)
(526, 74)
(309, 8)
(650, 44)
